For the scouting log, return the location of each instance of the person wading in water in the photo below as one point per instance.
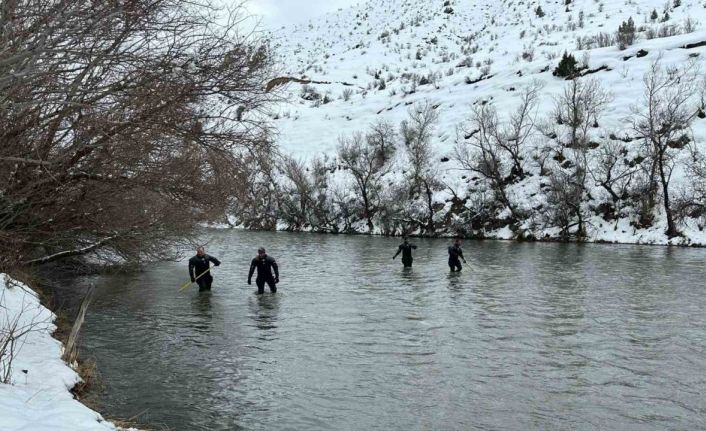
(265, 265)
(406, 249)
(455, 253)
(198, 265)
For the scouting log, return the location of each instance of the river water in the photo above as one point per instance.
(528, 337)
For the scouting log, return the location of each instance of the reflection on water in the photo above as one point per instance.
(202, 305)
(527, 336)
(263, 311)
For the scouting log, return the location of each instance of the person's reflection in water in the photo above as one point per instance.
(454, 280)
(408, 276)
(203, 311)
(264, 311)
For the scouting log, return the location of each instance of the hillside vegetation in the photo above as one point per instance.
(573, 120)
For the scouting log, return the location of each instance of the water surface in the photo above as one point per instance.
(527, 337)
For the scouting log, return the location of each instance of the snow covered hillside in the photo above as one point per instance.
(382, 59)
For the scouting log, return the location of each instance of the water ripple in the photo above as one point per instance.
(527, 337)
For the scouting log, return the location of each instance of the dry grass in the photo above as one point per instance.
(88, 371)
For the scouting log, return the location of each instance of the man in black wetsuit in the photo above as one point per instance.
(455, 253)
(265, 265)
(200, 264)
(406, 249)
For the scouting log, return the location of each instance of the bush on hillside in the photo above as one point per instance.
(568, 66)
(626, 33)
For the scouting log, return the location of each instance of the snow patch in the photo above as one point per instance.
(38, 397)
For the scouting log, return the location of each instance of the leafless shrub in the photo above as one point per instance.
(346, 209)
(691, 202)
(304, 199)
(495, 150)
(663, 122)
(254, 200)
(521, 127)
(612, 170)
(296, 196)
(15, 325)
(650, 33)
(668, 30)
(322, 215)
(423, 172)
(578, 108)
(123, 123)
(541, 156)
(366, 158)
(600, 40)
(690, 25)
(566, 195)
(466, 62)
(346, 94)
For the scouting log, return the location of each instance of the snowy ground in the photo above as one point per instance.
(457, 42)
(37, 397)
(349, 47)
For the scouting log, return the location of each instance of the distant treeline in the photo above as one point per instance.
(535, 176)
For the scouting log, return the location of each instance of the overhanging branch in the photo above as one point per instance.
(69, 253)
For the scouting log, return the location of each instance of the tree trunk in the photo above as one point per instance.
(430, 218)
(609, 189)
(581, 232)
(500, 190)
(671, 227)
(366, 209)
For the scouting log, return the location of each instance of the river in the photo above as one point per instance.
(530, 336)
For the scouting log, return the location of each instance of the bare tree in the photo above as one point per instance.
(345, 208)
(496, 150)
(304, 196)
(692, 199)
(15, 326)
(254, 199)
(482, 154)
(396, 215)
(383, 137)
(612, 171)
(566, 195)
(323, 213)
(423, 175)
(295, 203)
(577, 109)
(123, 123)
(521, 128)
(367, 160)
(663, 122)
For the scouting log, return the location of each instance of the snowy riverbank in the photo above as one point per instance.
(37, 397)
(598, 231)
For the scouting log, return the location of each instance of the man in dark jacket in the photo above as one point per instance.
(265, 265)
(406, 249)
(455, 253)
(198, 265)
